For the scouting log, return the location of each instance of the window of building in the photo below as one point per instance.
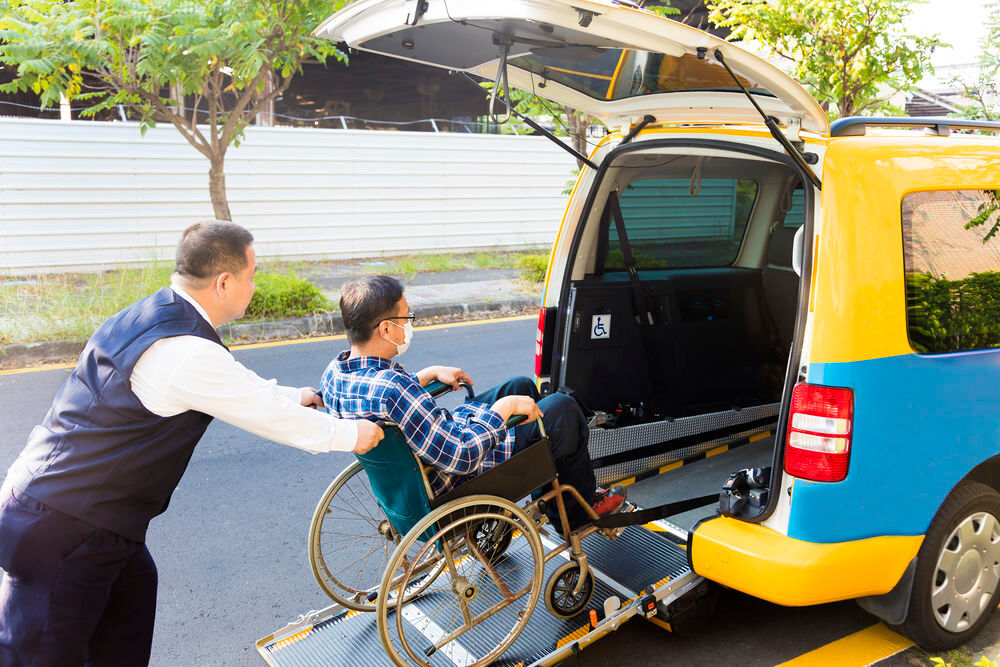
(951, 249)
(670, 227)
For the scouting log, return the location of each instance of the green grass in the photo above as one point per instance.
(411, 265)
(70, 306)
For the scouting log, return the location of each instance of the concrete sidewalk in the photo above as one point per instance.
(433, 297)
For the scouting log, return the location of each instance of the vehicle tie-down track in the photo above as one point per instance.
(644, 572)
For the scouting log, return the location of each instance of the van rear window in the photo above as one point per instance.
(675, 222)
(951, 249)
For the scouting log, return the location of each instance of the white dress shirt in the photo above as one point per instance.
(193, 373)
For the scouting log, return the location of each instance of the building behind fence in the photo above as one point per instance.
(98, 195)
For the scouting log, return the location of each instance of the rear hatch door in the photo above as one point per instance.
(615, 62)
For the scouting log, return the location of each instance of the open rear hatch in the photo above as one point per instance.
(614, 62)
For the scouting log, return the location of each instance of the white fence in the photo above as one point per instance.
(96, 195)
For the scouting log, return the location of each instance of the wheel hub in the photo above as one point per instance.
(386, 531)
(464, 589)
(968, 570)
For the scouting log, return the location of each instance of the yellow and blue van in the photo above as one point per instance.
(737, 280)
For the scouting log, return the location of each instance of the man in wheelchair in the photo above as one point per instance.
(365, 383)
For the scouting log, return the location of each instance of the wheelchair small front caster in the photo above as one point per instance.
(559, 598)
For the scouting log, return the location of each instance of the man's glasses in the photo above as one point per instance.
(411, 317)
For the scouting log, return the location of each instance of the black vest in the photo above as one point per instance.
(100, 455)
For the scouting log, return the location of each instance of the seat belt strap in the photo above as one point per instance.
(643, 314)
(639, 517)
(638, 296)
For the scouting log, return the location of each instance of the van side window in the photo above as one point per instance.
(669, 224)
(951, 250)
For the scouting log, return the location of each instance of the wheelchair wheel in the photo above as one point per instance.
(493, 537)
(559, 598)
(475, 610)
(350, 541)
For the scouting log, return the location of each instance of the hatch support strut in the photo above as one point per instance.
(769, 121)
(535, 126)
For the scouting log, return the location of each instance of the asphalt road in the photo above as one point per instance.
(231, 550)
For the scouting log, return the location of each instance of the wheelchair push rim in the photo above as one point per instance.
(459, 617)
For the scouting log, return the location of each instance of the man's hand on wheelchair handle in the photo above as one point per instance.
(517, 405)
(310, 398)
(369, 435)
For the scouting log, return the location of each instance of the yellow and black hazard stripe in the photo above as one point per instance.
(715, 451)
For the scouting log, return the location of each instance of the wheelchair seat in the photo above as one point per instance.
(402, 491)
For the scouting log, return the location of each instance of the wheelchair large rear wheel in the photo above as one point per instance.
(350, 541)
(475, 610)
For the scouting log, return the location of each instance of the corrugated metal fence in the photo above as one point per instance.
(96, 195)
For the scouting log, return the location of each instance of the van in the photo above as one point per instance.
(735, 274)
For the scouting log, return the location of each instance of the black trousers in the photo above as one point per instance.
(568, 433)
(73, 594)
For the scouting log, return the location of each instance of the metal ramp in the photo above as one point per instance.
(642, 562)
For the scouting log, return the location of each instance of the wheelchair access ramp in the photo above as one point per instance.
(646, 564)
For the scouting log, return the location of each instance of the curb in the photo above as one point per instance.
(21, 354)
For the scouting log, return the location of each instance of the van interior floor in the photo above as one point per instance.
(699, 478)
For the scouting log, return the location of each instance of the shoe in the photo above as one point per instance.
(609, 501)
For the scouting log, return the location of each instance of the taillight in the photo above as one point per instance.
(818, 441)
(543, 340)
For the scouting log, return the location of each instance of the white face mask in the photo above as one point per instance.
(407, 337)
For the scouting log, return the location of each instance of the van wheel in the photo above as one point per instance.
(958, 570)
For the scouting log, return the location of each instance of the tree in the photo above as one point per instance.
(853, 56)
(983, 91)
(233, 57)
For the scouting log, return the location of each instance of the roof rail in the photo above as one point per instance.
(856, 126)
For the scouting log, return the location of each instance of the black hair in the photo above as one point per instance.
(211, 247)
(365, 302)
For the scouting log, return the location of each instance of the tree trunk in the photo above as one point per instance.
(217, 187)
(577, 125)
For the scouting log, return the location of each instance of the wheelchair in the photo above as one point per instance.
(468, 564)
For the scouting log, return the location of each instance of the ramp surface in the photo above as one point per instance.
(639, 560)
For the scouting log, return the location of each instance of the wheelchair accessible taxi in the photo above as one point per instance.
(447, 565)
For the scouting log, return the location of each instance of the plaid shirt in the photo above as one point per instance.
(457, 446)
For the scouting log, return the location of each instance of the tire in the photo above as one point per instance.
(559, 598)
(958, 570)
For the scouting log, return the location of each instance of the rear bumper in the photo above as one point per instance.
(774, 567)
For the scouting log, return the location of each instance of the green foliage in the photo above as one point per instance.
(983, 90)
(282, 295)
(615, 260)
(231, 56)
(949, 315)
(988, 210)
(533, 267)
(662, 8)
(847, 53)
(571, 183)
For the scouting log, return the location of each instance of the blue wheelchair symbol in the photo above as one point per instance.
(599, 330)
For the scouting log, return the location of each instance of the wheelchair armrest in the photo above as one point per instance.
(437, 388)
(516, 420)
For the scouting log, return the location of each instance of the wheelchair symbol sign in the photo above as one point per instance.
(600, 326)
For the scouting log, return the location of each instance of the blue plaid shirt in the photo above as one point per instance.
(457, 446)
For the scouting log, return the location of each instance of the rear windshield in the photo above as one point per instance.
(674, 222)
(614, 74)
(951, 251)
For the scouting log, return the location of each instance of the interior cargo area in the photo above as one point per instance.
(689, 352)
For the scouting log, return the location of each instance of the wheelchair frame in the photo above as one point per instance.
(441, 546)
